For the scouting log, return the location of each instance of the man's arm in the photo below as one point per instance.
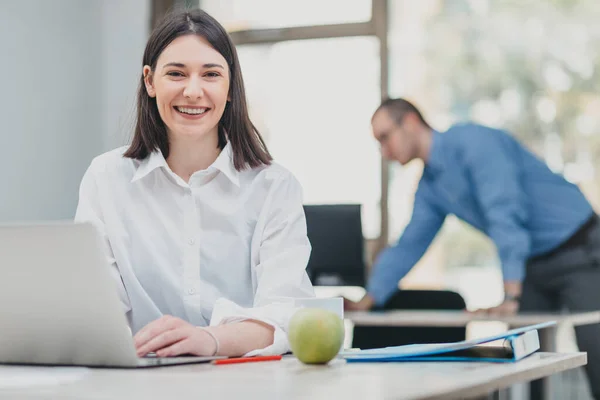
(394, 262)
(497, 181)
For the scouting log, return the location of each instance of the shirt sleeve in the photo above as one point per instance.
(394, 262)
(496, 177)
(89, 210)
(281, 270)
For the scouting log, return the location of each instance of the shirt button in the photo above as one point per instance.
(191, 241)
(191, 291)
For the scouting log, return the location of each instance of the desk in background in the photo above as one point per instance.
(459, 318)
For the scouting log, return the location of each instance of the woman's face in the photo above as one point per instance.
(191, 86)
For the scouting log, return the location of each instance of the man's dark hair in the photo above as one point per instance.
(248, 147)
(399, 108)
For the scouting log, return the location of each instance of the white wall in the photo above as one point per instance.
(125, 29)
(68, 71)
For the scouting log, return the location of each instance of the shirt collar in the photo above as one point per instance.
(434, 163)
(149, 164)
(223, 163)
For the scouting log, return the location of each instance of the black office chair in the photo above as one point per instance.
(371, 337)
(336, 237)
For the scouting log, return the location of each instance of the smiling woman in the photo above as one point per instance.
(205, 235)
(183, 69)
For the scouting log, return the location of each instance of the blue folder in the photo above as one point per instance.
(516, 345)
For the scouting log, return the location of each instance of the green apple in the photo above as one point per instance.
(315, 335)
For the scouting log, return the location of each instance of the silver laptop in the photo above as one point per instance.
(58, 303)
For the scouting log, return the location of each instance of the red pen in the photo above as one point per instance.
(245, 359)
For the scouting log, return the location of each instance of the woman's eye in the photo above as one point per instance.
(212, 74)
(174, 73)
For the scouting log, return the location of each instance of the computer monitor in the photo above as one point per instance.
(336, 237)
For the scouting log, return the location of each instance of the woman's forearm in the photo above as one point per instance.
(237, 339)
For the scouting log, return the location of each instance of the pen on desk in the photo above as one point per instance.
(245, 359)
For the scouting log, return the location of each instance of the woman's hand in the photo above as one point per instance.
(171, 336)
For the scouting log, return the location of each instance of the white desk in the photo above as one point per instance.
(459, 318)
(289, 379)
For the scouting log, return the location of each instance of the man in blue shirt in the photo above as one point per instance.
(545, 231)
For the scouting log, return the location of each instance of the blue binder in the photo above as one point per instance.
(516, 345)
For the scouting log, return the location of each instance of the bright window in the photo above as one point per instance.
(260, 14)
(312, 100)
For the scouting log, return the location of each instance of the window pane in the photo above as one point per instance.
(260, 14)
(312, 100)
(529, 67)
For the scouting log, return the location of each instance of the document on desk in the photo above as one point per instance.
(509, 346)
(12, 377)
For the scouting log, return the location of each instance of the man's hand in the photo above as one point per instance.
(171, 336)
(508, 307)
(365, 304)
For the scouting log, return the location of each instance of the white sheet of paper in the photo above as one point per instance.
(24, 376)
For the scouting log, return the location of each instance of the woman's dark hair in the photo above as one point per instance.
(248, 147)
(398, 108)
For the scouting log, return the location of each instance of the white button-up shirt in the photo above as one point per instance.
(227, 246)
